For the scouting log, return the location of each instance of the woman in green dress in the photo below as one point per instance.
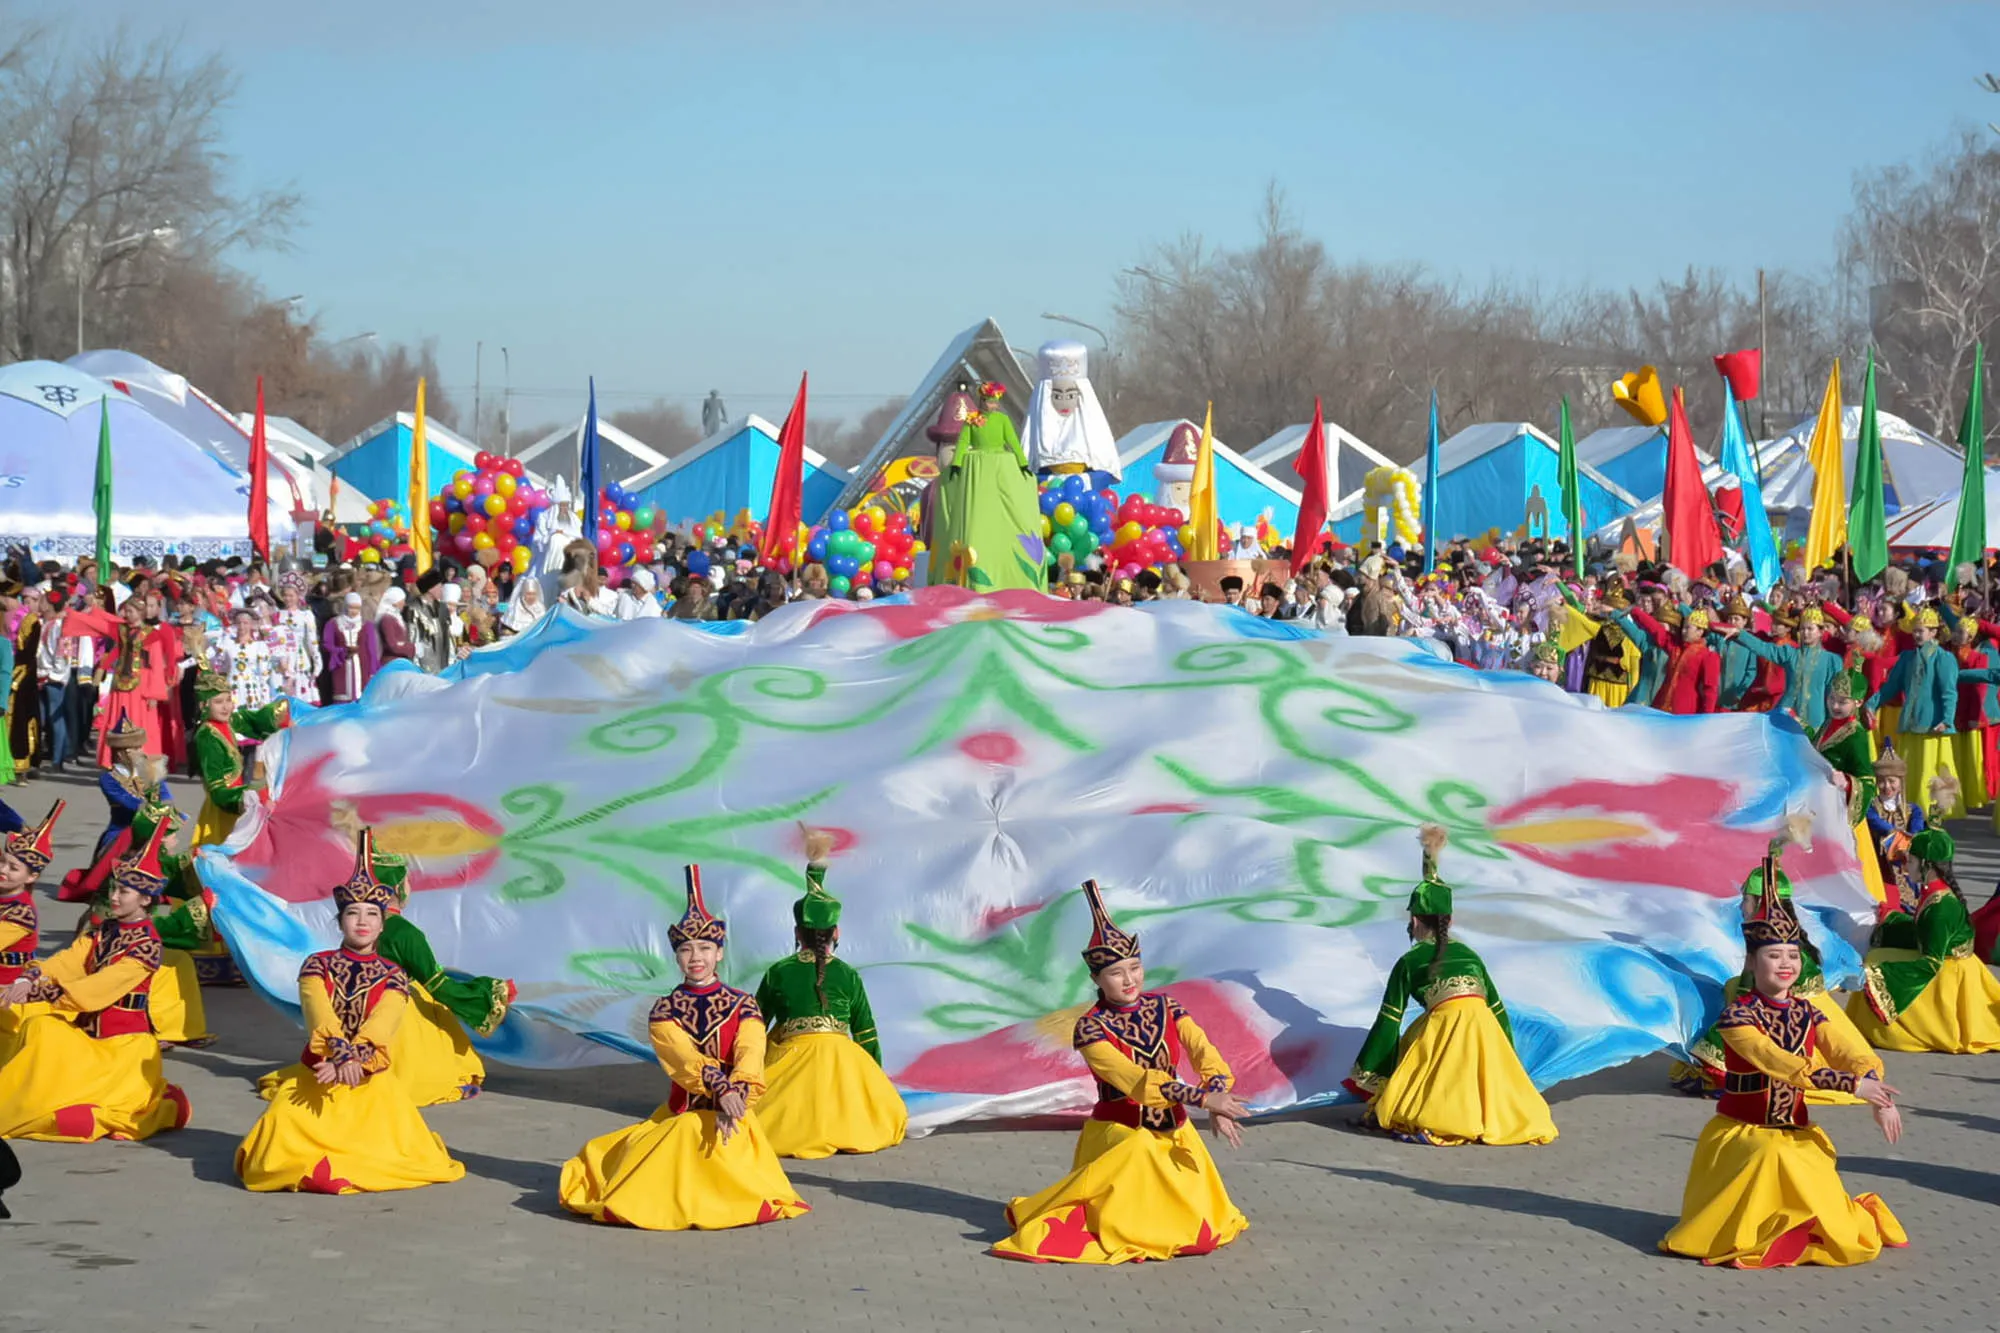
(1936, 996)
(825, 1091)
(989, 532)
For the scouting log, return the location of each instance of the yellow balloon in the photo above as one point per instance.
(523, 557)
(496, 505)
(624, 520)
(1065, 514)
(456, 522)
(1129, 532)
(461, 489)
(482, 541)
(878, 516)
(503, 485)
(371, 556)
(1187, 535)
(1048, 528)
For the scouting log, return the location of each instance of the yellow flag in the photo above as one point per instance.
(420, 489)
(1829, 511)
(1201, 497)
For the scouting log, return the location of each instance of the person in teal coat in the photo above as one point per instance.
(1739, 664)
(1652, 658)
(1810, 667)
(1925, 681)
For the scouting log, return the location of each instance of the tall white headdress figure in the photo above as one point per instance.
(1067, 431)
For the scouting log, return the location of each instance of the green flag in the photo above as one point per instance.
(1566, 478)
(1867, 524)
(101, 496)
(1968, 534)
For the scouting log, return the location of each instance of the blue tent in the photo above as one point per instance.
(1633, 457)
(1497, 475)
(377, 461)
(732, 470)
(1243, 490)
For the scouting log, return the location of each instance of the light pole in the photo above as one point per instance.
(164, 232)
(506, 404)
(351, 338)
(1161, 278)
(1102, 336)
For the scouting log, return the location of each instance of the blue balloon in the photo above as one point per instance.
(524, 529)
(816, 547)
(837, 520)
(1049, 501)
(451, 504)
(1073, 488)
(624, 553)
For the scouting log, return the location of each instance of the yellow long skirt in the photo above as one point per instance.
(824, 1094)
(1614, 696)
(13, 1020)
(67, 1086)
(1458, 1081)
(317, 1139)
(674, 1173)
(1871, 863)
(174, 1003)
(1958, 1014)
(213, 825)
(1771, 1198)
(1131, 1194)
(1968, 752)
(1928, 755)
(430, 1055)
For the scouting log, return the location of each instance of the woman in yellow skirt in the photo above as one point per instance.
(431, 1054)
(1141, 1185)
(1454, 1078)
(1925, 682)
(1762, 1191)
(337, 1126)
(24, 855)
(1937, 995)
(1706, 1074)
(91, 1068)
(824, 1089)
(701, 1161)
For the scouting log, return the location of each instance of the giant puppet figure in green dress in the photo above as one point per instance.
(989, 533)
(824, 1089)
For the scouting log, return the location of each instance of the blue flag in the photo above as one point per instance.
(586, 471)
(1738, 460)
(1429, 512)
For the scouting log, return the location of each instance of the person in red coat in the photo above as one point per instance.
(1694, 670)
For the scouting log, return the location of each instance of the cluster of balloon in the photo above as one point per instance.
(1136, 534)
(488, 514)
(863, 546)
(742, 531)
(626, 529)
(385, 537)
(1147, 536)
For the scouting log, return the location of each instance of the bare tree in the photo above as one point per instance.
(1924, 243)
(107, 161)
(666, 426)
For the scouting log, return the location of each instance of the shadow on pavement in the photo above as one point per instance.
(1984, 1123)
(537, 1181)
(1979, 1186)
(985, 1218)
(1629, 1226)
(209, 1153)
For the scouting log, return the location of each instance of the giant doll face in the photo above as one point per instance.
(1065, 395)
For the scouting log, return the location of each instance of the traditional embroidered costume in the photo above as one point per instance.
(1937, 995)
(432, 1055)
(125, 785)
(1845, 745)
(824, 1089)
(675, 1171)
(1708, 1071)
(218, 757)
(91, 1068)
(329, 1138)
(1892, 822)
(20, 924)
(1454, 1077)
(1762, 1191)
(1925, 682)
(1141, 1184)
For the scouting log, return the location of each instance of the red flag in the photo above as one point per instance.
(1744, 371)
(781, 522)
(1311, 467)
(1694, 544)
(260, 482)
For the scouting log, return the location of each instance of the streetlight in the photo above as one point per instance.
(506, 403)
(352, 338)
(1102, 336)
(166, 232)
(1161, 278)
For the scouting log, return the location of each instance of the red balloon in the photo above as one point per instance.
(515, 467)
(517, 504)
(440, 516)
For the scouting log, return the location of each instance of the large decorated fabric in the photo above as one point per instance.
(1248, 794)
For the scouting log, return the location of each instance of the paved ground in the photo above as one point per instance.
(1347, 1231)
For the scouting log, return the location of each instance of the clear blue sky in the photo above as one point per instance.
(684, 196)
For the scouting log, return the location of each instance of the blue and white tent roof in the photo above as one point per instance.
(732, 470)
(1243, 490)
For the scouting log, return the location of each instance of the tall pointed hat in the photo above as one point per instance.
(140, 869)
(362, 886)
(696, 923)
(818, 909)
(35, 847)
(1431, 896)
(1108, 944)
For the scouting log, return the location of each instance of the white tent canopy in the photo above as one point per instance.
(1932, 524)
(1917, 467)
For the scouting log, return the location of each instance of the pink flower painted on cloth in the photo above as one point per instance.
(1665, 832)
(1038, 1053)
(943, 606)
(306, 844)
(993, 747)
